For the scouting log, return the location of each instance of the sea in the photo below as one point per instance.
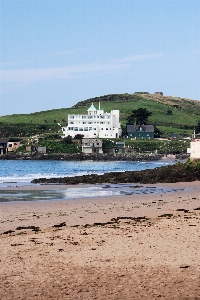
(20, 173)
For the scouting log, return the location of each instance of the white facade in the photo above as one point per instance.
(96, 124)
(195, 149)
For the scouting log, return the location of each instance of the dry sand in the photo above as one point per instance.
(128, 258)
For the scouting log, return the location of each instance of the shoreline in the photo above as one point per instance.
(48, 212)
(96, 157)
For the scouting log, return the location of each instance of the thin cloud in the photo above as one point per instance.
(27, 76)
(138, 57)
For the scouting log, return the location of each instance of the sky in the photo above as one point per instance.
(55, 53)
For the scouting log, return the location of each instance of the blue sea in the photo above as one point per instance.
(20, 173)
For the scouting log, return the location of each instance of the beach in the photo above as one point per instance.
(138, 246)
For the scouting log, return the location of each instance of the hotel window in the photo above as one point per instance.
(84, 117)
(71, 117)
(85, 128)
(75, 128)
(80, 128)
(90, 128)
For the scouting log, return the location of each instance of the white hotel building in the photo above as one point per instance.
(96, 124)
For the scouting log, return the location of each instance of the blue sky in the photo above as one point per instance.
(54, 53)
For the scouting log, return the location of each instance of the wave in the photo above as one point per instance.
(22, 173)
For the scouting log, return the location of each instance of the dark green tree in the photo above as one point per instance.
(157, 132)
(123, 127)
(169, 112)
(138, 116)
(107, 145)
(67, 140)
(197, 128)
(79, 136)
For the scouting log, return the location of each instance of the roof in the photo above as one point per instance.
(136, 128)
(3, 141)
(92, 107)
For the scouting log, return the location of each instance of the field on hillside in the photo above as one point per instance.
(169, 115)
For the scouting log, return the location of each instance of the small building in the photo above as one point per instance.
(92, 146)
(194, 149)
(3, 146)
(119, 147)
(158, 93)
(140, 131)
(12, 146)
(95, 124)
(8, 145)
(41, 150)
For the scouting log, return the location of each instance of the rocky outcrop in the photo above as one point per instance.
(174, 173)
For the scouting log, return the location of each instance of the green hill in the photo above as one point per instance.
(169, 114)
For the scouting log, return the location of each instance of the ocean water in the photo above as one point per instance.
(22, 172)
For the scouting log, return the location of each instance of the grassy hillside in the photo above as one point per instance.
(184, 115)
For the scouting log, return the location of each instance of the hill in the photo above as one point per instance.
(169, 114)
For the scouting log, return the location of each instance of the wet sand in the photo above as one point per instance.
(140, 246)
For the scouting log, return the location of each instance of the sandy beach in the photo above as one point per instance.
(144, 246)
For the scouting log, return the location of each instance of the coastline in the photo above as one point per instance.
(73, 211)
(95, 157)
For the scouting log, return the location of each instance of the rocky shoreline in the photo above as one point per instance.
(81, 157)
(169, 174)
(94, 157)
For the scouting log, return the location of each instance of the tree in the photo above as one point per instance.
(138, 116)
(197, 128)
(123, 127)
(157, 132)
(67, 139)
(79, 136)
(169, 112)
(107, 145)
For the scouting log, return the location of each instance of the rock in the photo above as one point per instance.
(166, 216)
(167, 174)
(34, 228)
(7, 232)
(59, 225)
